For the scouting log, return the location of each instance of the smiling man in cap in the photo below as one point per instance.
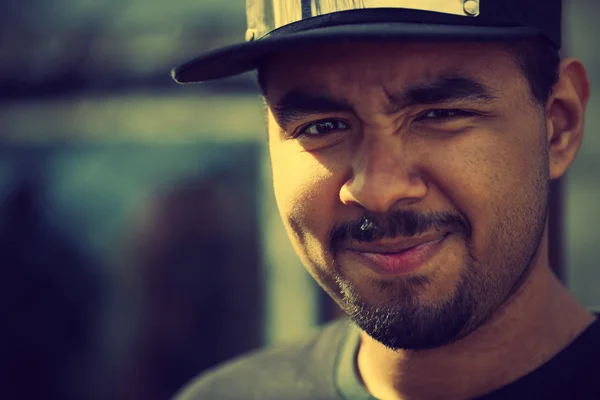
(412, 146)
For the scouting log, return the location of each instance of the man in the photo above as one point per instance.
(412, 147)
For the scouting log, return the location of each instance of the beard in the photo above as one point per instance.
(403, 320)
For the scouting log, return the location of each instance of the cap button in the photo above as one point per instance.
(250, 34)
(471, 7)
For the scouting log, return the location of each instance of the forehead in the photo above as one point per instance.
(341, 67)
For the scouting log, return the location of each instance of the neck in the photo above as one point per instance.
(538, 321)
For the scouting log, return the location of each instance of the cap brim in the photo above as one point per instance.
(244, 57)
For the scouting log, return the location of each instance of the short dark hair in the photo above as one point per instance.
(538, 59)
(539, 62)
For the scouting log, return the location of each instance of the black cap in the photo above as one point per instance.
(483, 20)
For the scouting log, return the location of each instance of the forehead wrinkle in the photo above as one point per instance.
(397, 90)
(392, 84)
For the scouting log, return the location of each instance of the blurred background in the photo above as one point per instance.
(139, 239)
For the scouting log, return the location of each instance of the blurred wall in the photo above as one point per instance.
(125, 159)
(582, 185)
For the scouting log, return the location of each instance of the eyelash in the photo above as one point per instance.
(449, 114)
(456, 113)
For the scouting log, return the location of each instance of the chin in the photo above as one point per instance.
(413, 312)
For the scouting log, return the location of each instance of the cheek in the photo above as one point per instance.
(306, 193)
(491, 177)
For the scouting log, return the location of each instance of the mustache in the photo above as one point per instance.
(401, 223)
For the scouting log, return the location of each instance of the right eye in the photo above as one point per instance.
(322, 128)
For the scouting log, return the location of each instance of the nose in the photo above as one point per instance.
(383, 176)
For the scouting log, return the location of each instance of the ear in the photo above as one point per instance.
(565, 111)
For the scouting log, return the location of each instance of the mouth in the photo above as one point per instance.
(400, 257)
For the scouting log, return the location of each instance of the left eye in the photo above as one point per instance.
(324, 127)
(445, 114)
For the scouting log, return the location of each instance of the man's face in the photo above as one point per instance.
(412, 180)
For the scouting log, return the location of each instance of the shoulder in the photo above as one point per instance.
(570, 374)
(302, 370)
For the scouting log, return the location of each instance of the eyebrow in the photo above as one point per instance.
(443, 90)
(299, 103)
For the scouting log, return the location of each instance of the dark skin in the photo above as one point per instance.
(439, 127)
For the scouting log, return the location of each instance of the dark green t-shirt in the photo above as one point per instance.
(323, 368)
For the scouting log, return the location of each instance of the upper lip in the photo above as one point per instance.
(395, 246)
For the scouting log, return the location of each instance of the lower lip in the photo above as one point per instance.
(404, 262)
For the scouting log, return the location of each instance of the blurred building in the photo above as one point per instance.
(191, 276)
(50, 298)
